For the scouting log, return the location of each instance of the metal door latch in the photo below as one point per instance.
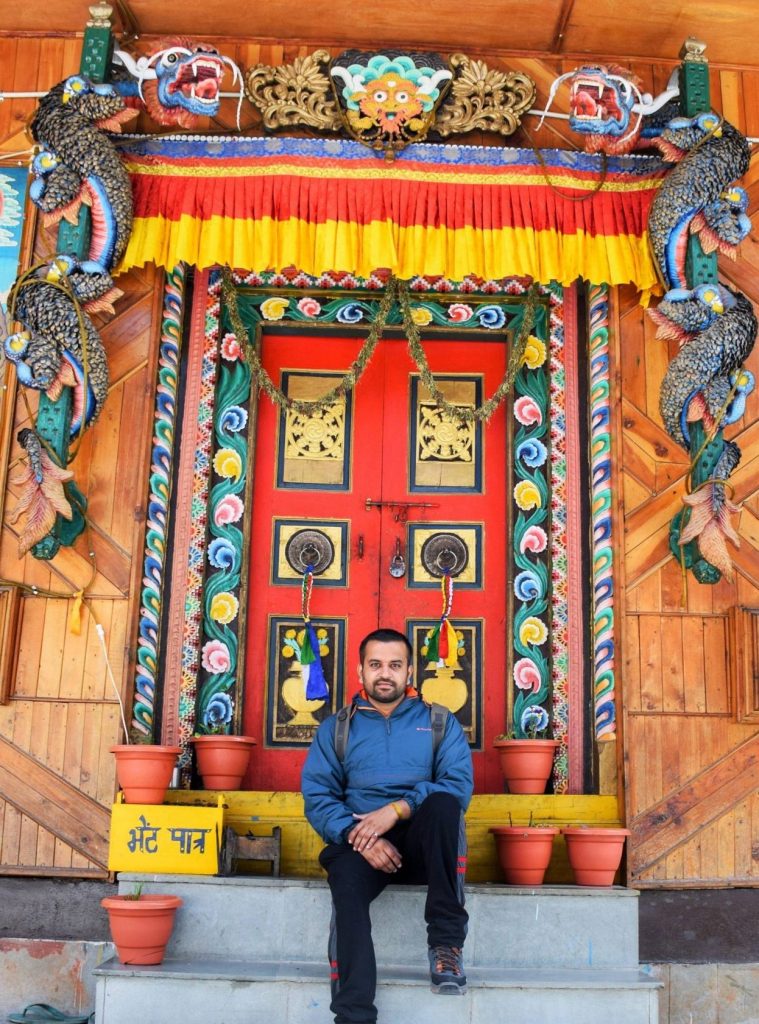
(399, 508)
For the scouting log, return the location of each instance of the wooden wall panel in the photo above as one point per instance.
(64, 711)
(677, 663)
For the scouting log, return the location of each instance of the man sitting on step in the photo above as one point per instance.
(389, 802)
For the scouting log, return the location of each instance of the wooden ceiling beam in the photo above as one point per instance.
(565, 14)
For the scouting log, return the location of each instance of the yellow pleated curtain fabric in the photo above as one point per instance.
(332, 205)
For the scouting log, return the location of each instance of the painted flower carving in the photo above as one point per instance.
(224, 607)
(534, 539)
(532, 452)
(533, 631)
(218, 713)
(222, 554)
(234, 419)
(350, 313)
(491, 317)
(534, 354)
(459, 312)
(229, 510)
(527, 586)
(215, 657)
(227, 463)
(527, 496)
(308, 306)
(527, 675)
(274, 307)
(527, 411)
(230, 348)
(421, 316)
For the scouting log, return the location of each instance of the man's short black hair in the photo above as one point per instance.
(386, 636)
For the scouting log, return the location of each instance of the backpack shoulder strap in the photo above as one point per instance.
(342, 725)
(438, 719)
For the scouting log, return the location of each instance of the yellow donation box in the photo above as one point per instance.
(166, 839)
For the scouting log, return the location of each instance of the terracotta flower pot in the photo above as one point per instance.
(524, 852)
(140, 928)
(526, 764)
(144, 771)
(595, 853)
(223, 760)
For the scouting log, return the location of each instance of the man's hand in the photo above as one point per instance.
(373, 825)
(383, 856)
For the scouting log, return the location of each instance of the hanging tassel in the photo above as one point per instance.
(316, 684)
(442, 645)
(316, 687)
(433, 654)
(453, 646)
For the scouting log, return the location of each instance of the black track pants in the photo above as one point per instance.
(432, 845)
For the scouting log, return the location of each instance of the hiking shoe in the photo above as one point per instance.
(447, 970)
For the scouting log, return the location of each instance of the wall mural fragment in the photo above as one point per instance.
(12, 189)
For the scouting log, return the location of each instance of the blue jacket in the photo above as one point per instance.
(386, 759)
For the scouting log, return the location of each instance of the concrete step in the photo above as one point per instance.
(297, 992)
(555, 927)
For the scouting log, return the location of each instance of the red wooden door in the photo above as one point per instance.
(387, 475)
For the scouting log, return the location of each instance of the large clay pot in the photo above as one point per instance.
(595, 853)
(144, 771)
(223, 760)
(524, 852)
(141, 928)
(526, 764)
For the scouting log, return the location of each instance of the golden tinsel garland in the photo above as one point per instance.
(486, 410)
(396, 291)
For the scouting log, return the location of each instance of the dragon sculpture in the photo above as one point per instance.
(179, 82)
(49, 353)
(705, 386)
(80, 164)
(607, 107)
(57, 344)
(697, 195)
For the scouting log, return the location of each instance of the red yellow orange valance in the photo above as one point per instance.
(326, 205)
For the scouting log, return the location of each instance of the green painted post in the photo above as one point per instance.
(54, 418)
(700, 267)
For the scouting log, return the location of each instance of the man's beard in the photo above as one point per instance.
(385, 696)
